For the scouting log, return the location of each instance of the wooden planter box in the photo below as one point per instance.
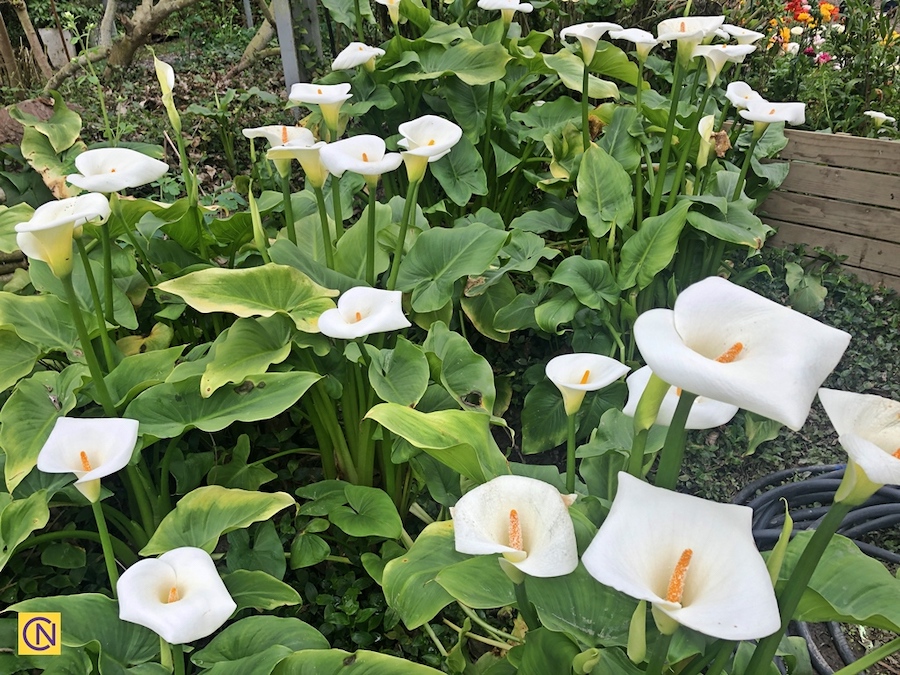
(842, 193)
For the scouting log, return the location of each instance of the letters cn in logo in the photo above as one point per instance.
(40, 633)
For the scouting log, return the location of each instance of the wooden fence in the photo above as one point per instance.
(842, 193)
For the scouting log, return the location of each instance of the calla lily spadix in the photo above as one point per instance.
(868, 428)
(362, 311)
(716, 56)
(91, 448)
(507, 8)
(705, 412)
(643, 40)
(115, 169)
(363, 154)
(741, 94)
(329, 98)
(525, 520)
(426, 139)
(309, 156)
(279, 134)
(729, 344)
(48, 235)
(742, 36)
(179, 595)
(588, 34)
(357, 54)
(576, 374)
(693, 559)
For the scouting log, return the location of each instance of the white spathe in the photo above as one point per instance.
(426, 139)
(329, 98)
(741, 94)
(507, 8)
(705, 130)
(165, 74)
(363, 154)
(309, 156)
(279, 134)
(705, 412)
(729, 344)
(576, 374)
(362, 311)
(742, 36)
(766, 112)
(393, 8)
(115, 169)
(879, 118)
(688, 28)
(643, 41)
(179, 595)
(716, 56)
(48, 235)
(544, 542)
(868, 428)
(727, 592)
(357, 54)
(91, 448)
(588, 34)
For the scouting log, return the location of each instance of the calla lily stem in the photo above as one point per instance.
(370, 239)
(116, 209)
(667, 140)
(585, 104)
(178, 659)
(644, 417)
(326, 230)
(408, 208)
(673, 450)
(525, 607)
(745, 167)
(288, 209)
(98, 307)
(106, 544)
(658, 658)
(570, 455)
(871, 658)
(336, 202)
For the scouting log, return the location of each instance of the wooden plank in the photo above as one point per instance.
(848, 184)
(852, 152)
(864, 253)
(865, 221)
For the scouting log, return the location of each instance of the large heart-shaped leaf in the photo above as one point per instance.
(649, 251)
(141, 371)
(369, 513)
(466, 375)
(258, 590)
(339, 662)
(605, 197)
(399, 375)
(460, 172)
(41, 320)
(18, 519)
(471, 61)
(478, 582)
(592, 281)
(17, 358)
(570, 69)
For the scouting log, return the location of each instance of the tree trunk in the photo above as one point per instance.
(138, 31)
(108, 24)
(33, 40)
(9, 57)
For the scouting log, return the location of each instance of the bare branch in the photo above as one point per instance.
(74, 65)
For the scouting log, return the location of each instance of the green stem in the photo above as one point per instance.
(408, 208)
(370, 239)
(288, 209)
(326, 230)
(106, 544)
(651, 178)
(190, 184)
(98, 306)
(871, 658)
(144, 267)
(722, 657)
(116, 209)
(137, 488)
(667, 140)
(496, 632)
(178, 659)
(359, 26)
(796, 585)
(119, 547)
(165, 496)
(673, 450)
(336, 204)
(102, 393)
(686, 149)
(126, 526)
(745, 167)
(434, 639)
(644, 418)
(525, 608)
(639, 175)
(570, 455)
(585, 103)
(325, 409)
(658, 658)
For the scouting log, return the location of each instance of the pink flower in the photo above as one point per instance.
(824, 57)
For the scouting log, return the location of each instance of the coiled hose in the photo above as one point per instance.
(808, 501)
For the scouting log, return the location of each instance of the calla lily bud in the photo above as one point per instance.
(166, 76)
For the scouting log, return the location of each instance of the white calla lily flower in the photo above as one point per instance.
(363, 154)
(868, 428)
(48, 235)
(879, 118)
(393, 8)
(576, 374)
(693, 559)
(716, 56)
(729, 344)
(741, 94)
(426, 139)
(507, 8)
(166, 76)
(357, 54)
(705, 412)
(688, 32)
(309, 156)
(115, 169)
(329, 98)
(705, 130)
(643, 41)
(588, 35)
(91, 448)
(280, 134)
(742, 36)
(765, 112)
(179, 595)
(524, 519)
(362, 311)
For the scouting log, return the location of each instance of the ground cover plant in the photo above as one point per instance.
(264, 379)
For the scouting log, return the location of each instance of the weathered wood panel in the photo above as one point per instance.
(851, 152)
(862, 187)
(867, 221)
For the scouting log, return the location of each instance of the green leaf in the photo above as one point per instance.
(589, 612)
(141, 371)
(409, 581)
(64, 556)
(548, 117)
(10, 216)
(736, 226)
(338, 662)
(52, 166)
(168, 409)
(441, 256)
(650, 251)
(611, 61)
(482, 308)
(257, 291)
(471, 61)
(284, 252)
(521, 253)
(41, 320)
(592, 281)
(461, 440)
(18, 519)
(807, 294)
(252, 645)
(466, 375)
(94, 618)
(539, 222)
(17, 358)
(460, 172)
(205, 514)
(238, 473)
(546, 651)
(560, 308)
(258, 590)
(29, 415)
(605, 196)
(308, 549)
(265, 553)
(61, 129)
(570, 69)
(478, 582)
(247, 348)
(399, 375)
(759, 429)
(350, 255)
(618, 140)
(370, 513)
